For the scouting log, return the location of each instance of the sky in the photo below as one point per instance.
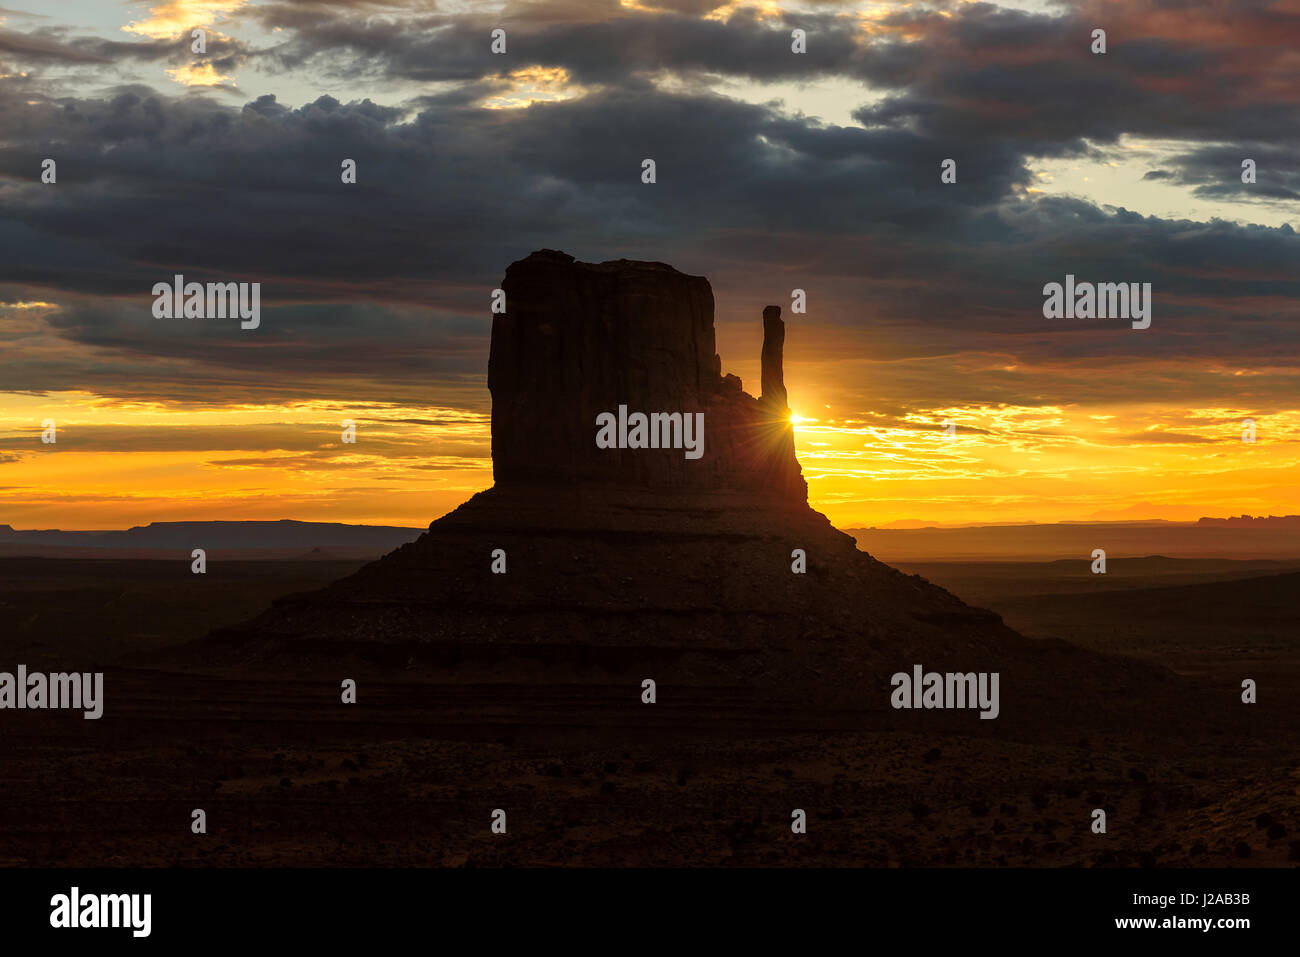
(776, 171)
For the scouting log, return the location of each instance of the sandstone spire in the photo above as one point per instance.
(773, 381)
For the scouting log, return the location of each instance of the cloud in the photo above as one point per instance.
(381, 289)
(1171, 438)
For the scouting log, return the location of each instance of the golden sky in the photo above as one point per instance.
(776, 171)
(121, 463)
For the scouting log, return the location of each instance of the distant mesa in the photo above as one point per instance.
(1244, 538)
(278, 539)
(1255, 521)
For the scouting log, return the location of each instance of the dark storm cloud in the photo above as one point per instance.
(302, 352)
(388, 281)
(55, 48)
(449, 197)
(980, 74)
(1030, 81)
(1215, 172)
(36, 48)
(599, 43)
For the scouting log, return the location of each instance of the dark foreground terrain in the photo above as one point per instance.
(589, 775)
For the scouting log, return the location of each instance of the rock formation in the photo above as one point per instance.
(773, 380)
(581, 339)
(625, 562)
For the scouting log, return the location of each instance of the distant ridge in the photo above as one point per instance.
(1255, 521)
(284, 534)
(1273, 537)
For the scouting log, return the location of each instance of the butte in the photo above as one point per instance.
(626, 564)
